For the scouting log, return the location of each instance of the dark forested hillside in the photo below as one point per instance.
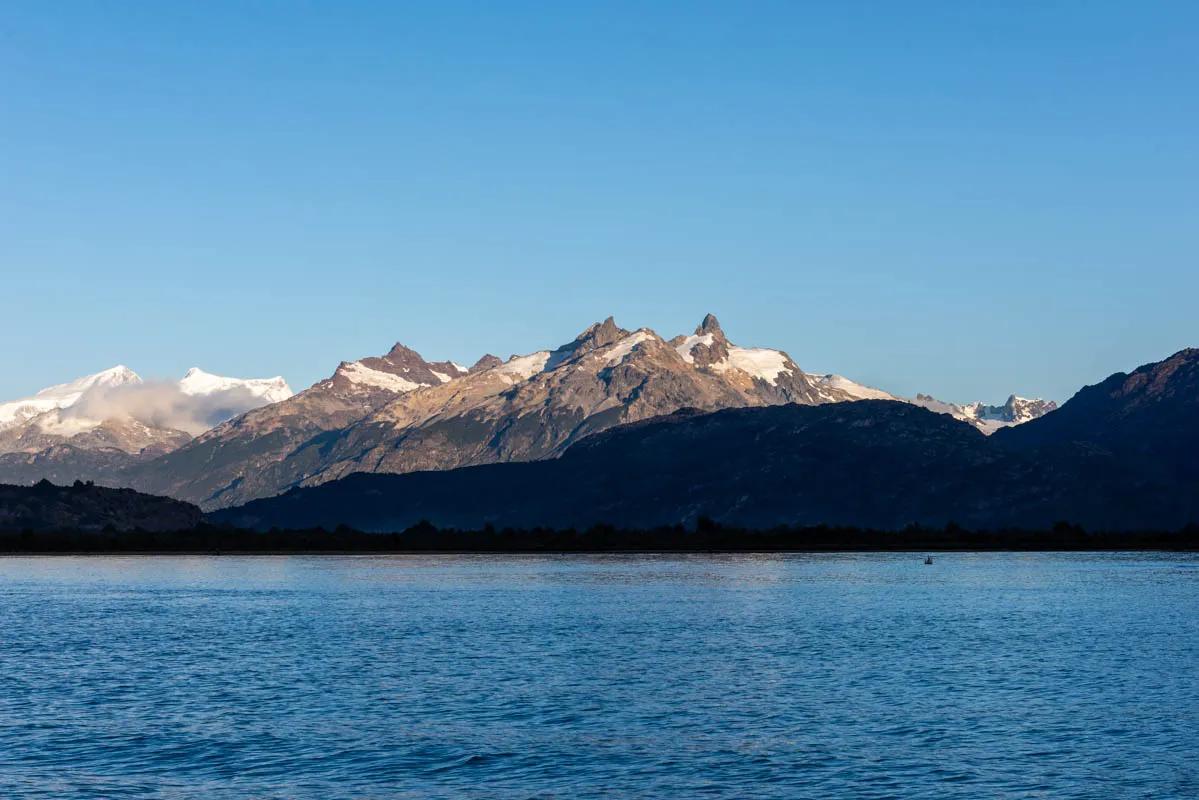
(84, 507)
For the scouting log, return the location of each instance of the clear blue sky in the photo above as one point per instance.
(966, 199)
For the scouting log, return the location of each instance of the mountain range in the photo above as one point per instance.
(221, 442)
(1119, 455)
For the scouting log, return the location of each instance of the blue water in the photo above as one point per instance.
(832, 676)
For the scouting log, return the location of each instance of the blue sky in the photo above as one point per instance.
(965, 199)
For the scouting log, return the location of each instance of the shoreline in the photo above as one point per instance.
(591, 552)
(707, 538)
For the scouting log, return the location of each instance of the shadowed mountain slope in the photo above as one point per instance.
(1149, 416)
(872, 463)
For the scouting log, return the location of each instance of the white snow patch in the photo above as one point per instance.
(759, 362)
(620, 350)
(854, 389)
(198, 382)
(525, 367)
(459, 367)
(441, 376)
(689, 344)
(358, 372)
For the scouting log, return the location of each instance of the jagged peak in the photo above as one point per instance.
(401, 349)
(599, 334)
(486, 362)
(601, 330)
(709, 325)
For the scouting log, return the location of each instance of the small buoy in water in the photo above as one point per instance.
(928, 559)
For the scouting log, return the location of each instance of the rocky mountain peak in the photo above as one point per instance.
(398, 360)
(486, 362)
(601, 334)
(402, 369)
(710, 325)
(989, 418)
(706, 347)
(401, 352)
(1017, 410)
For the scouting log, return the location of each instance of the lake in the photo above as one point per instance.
(770, 676)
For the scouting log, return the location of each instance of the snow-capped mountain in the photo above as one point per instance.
(16, 412)
(401, 370)
(100, 422)
(269, 390)
(1016, 411)
(987, 418)
(990, 418)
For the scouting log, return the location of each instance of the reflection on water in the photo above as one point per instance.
(789, 676)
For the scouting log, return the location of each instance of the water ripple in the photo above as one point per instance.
(848, 676)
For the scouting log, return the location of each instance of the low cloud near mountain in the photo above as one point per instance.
(164, 404)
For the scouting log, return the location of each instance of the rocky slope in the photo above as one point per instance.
(45, 506)
(1119, 455)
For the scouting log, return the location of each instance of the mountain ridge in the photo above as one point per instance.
(398, 412)
(1122, 459)
(528, 407)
